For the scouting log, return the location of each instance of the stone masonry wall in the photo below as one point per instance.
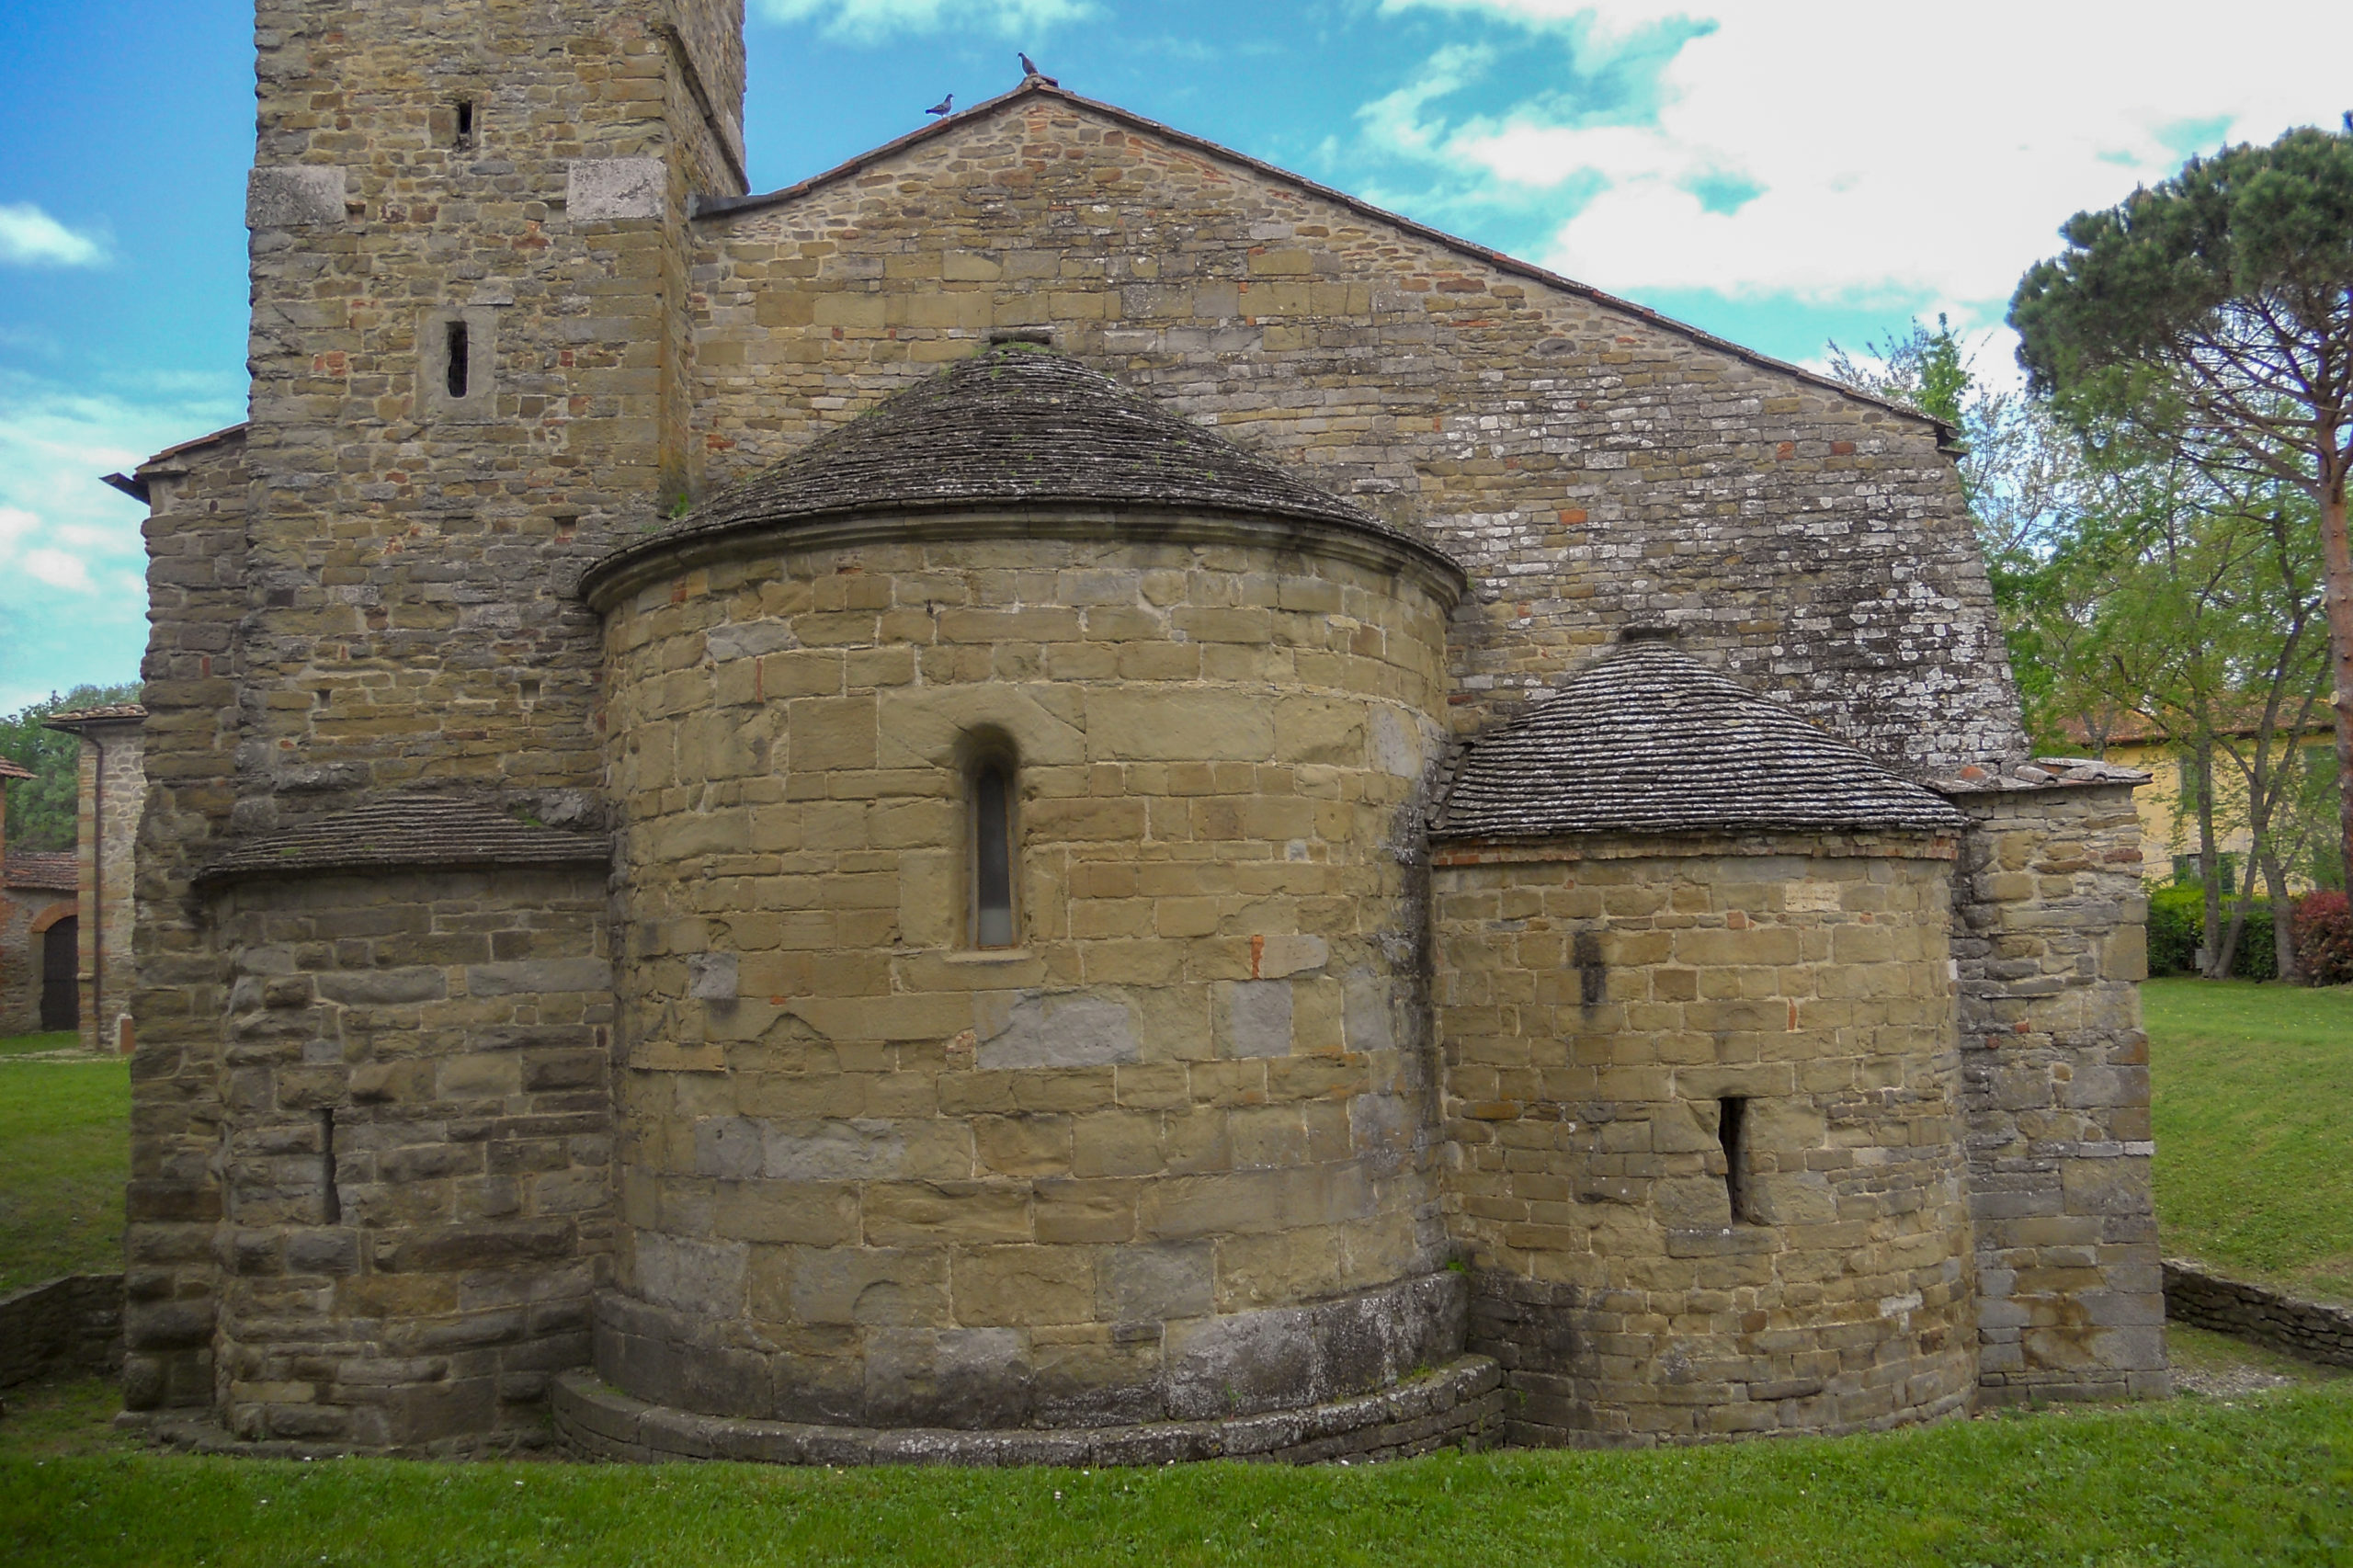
(2050, 935)
(411, 545)
(1598, 1000)
(2314, 1330)
(875, 1174)
(196, 599)
(70, 1325)
(1589, 466)
(113, 795)
(416, 1166)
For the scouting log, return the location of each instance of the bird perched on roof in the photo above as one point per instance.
(1030, 68)
(945, 106)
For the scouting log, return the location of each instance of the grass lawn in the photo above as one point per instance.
(2262, 1480)
(25, 1044)
(64, 1155)
(2252, 1089)
(2255, 1173)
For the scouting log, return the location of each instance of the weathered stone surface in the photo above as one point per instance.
(305, 195)
(793, 1146)
(1649, 1270)
(609, 189)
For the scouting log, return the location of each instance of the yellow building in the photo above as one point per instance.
(2168, 816)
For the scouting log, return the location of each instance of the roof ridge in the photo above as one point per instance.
(724, 207)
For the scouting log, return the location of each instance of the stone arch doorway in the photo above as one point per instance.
(61, 990)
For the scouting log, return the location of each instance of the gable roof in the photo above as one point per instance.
(728, 205)
(46, 870)
(407, 830)
(1017, 427)
(134, 483)
(82, 719)
(1650, 741)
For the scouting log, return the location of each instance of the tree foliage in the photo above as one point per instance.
(2211, 317)
(2018, 467)
(41, 809)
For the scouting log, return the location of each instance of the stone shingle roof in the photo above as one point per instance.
(409, 830)
(1016, 426)
(1648, 741)
(112, 713)
(50, 870)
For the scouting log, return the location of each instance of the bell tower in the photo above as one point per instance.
(469, 365)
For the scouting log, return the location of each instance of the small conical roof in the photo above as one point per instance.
(1018, 426)
(1650, 741)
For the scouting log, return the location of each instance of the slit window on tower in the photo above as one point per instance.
(463, 136)
(993, 855)
(1731, 1132)
(458, 356)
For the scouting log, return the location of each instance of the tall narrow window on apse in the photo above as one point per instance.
(992, 856)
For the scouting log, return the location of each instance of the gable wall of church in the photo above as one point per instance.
(1590, 466)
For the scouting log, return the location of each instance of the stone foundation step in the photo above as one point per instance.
(1458, 1406)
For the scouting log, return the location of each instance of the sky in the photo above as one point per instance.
(1783, 172)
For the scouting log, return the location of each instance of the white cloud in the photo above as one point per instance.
(866, 21)
(72, 562)
(30, 237)
(1889, 153)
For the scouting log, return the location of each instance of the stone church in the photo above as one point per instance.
(1059, 796)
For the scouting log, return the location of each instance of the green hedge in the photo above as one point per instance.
(2178, 924)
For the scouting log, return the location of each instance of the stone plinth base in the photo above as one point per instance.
(1457, 1407)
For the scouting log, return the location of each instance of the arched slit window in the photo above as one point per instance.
(992, 798)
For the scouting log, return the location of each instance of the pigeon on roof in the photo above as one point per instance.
(945, 106)
(1030, 68)
(1649, 740)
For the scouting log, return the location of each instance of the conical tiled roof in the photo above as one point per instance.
(1648, 741)
(1018, 426)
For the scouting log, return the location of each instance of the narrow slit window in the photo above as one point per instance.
(992, 856)
(464, 136)
(1731, 1132)
(460, 370)
(330, 1198)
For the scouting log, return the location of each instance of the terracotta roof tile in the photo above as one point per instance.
(10, 770)
(409, 830)
(56, 870)
(1650, 741)
(1018, 426)
(112, 713)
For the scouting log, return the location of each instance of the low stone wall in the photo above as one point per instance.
(1457, 1407)
(70, 1324)
(2312, 1330)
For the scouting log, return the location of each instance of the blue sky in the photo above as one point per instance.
(1781, 172)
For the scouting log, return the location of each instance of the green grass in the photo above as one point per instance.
(2252, 1100)
(2264, 1479)
(64, 1155)
(25, 1044)
(2255, 1173)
